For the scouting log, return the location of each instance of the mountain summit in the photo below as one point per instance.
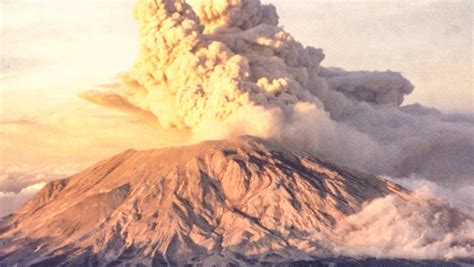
(240, 201)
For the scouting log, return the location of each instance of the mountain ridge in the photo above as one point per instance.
(243, 201)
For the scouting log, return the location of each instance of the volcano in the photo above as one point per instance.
(244, 201)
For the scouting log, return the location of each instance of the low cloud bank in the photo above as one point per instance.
(18, 183)
(421, 227)
(11, 200)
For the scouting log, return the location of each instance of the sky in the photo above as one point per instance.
(52, 50)
(430, 42)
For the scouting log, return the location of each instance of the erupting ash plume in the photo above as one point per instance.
(225, 68)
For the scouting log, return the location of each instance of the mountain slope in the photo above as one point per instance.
(241, 201)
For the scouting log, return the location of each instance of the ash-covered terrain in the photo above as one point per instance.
(244, 201)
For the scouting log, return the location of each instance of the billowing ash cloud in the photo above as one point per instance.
(224, 68)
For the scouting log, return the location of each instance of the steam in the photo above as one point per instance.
(225, 68)
(421, 228)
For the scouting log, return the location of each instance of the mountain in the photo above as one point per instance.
(243, 201)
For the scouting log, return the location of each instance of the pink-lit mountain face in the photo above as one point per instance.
(241, 201)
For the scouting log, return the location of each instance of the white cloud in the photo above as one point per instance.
(10, 201)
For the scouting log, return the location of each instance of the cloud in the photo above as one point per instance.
(392, 227)
(15, 178)
(11, 200)
(433, 222)
(461, 198)
(20, 182)
(224, 69)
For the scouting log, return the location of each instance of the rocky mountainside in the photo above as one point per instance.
(245, 201)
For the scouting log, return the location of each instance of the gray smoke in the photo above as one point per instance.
(225, 68)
